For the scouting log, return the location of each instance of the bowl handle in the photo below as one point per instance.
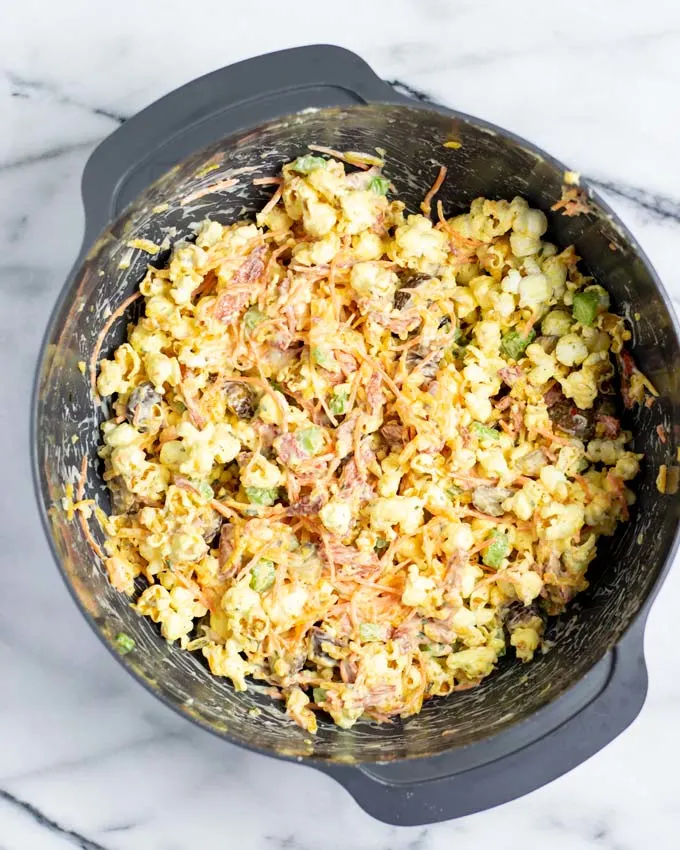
(241, 95)
(403, 802)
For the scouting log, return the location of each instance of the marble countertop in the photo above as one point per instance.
(87, 758)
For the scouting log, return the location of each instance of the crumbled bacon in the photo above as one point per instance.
(229, 305)
(610, 426)
(574, 201)
(348, 671)
(374, 395)
(289, 450)
(306, 506)
(253, 266)
(510, 374)
(353, 485)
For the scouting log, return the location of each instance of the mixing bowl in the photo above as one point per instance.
(523, 725)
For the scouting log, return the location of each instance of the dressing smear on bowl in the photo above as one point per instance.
(359, 455)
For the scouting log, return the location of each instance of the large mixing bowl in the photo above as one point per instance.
(246, 121)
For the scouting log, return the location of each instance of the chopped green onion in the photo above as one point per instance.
(380, 185)
(483, 432)
(338, 404)
(499, 549)
(310, 439)
(453, 490)
(514, 345)
(124, 643)
(323, 357)
(307, 163)
(319, 695)
(262, 495)
(585, 307)
(370, 631)
(275, 385)
(252, 318)
(262, 575)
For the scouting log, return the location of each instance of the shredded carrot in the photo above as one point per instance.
(94, 357)
(209, 190)
(267, 181)
(426, 205)
(272, 202)
(339, 155)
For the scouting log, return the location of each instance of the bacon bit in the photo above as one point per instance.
(353, 484)
(229, 305)
(307, 506)
(510, 375)
(267, 181)
(290, 451)
(209, 190)
(611, 427)
(627, 366)
(94, 357)
(348, 671)
(426, 205)
(661, 433)
(574, 201)
(503, 403)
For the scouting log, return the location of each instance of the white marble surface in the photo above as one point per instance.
(87, 758)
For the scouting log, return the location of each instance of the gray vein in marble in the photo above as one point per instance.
(50, 153)
(659, 205)
(25, 87)
(42, 820)
(98, 757)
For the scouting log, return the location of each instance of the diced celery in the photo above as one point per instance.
(514, 344)
(262, 495)
(310, 439)
(262, 575)
(484, 432)
(380, 185)
(124, 643)
(585, 307)
(308, 163)
(496, 551)
(370, 631)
